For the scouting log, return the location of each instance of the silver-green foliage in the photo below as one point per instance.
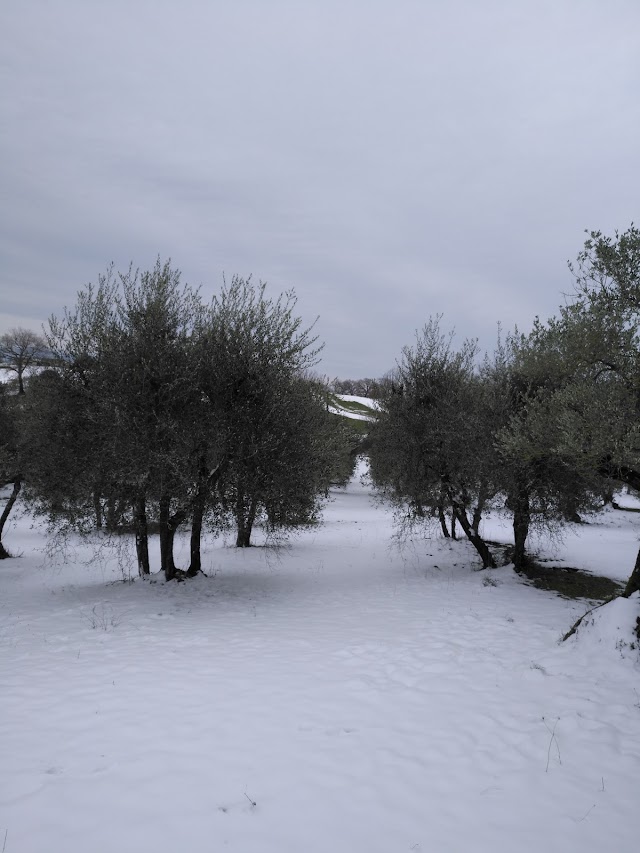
(162, 410)
(432, 443)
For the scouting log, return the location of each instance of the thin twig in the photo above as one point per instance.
(553, 739)
(584, 817)
(4, 846)
(250, 800)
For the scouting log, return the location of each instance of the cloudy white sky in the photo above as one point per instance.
(388, 160)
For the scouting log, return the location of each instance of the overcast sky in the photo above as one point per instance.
(387, 159)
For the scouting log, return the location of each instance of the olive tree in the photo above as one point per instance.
(21, 349)
(115, 423)
(538, 471)
(431, 444)
(10, 456)
(161, 411)
(271, 424)
(607, 303)
(574, 430)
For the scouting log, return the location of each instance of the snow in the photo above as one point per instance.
(342, 694)
(364, 401)
(348, 413)
(606, 545)
(609, 628)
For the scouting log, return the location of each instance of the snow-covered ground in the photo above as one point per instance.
(364, 401)
(340, 696)
(347, 412)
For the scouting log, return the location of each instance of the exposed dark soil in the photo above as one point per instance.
(563, 580)
(571, 583)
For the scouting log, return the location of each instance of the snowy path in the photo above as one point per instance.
(340, 697)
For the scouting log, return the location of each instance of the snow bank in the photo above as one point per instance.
(612, 627)
(365, 401)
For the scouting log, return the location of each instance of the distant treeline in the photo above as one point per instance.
(372, 388)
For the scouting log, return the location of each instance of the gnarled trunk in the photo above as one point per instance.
(521, 523)
(111, 514)
(443, 522)
(17, 485)
(199, 502)
(166, 539)
(454, 532)
(483, 494)
(142, 535)
(476, 540)
(97, 508)
(168, 525)
(245, 518)
(633, 584)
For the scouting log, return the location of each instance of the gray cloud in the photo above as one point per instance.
(388, 160)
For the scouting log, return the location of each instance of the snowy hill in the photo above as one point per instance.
(356, 408)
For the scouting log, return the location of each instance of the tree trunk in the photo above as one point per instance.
(246, 517)
(243, 537)
(168, 525)
(175, 521)
(253, 508)
(142, 536)
(476, 540)
(116, 508)
(111, 514)
(207, 480)
(166, 539)
(170, 570)
(97, 509)
(443, 522)
(244, 521)
(195, 565)
(479, 508)
(163, 518)
(633, 584)
(197, 515)
(521, 524)
(17, 485)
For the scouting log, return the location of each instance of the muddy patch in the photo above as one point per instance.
(569, 582)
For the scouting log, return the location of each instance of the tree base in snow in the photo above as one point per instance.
(614, 624)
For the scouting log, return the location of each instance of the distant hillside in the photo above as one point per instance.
(349, 406)
(359, 410)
